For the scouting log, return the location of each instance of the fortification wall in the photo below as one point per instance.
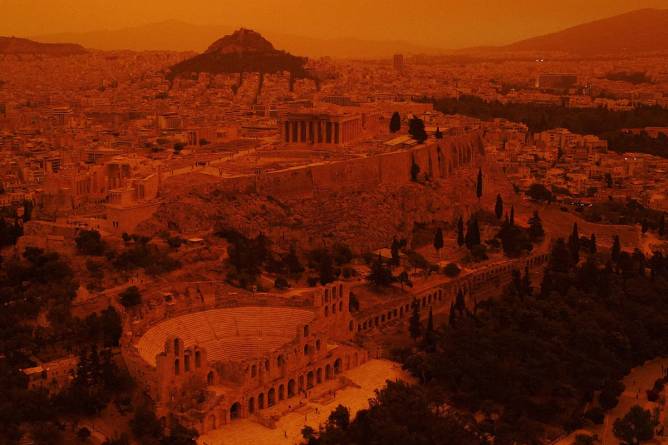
(395, 168)
(291, 182)
(350, 175)
(435, 159)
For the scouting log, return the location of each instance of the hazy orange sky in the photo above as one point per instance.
(439, 23)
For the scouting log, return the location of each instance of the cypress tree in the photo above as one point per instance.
(574, 244)
(395, 251)
(478, 188)
(472, 238)
(438, 241)
(526, 282)
(460, 232)
(512, 215)
(592, 244)
(395, 122)
(536, 231)
(498, 207)
(460, 303)
(616, 250)
(429, 338)
(414, 326)
(452, 317)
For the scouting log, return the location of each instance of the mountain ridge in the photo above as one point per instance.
(196, 38)
(19, 45)
(635, 32)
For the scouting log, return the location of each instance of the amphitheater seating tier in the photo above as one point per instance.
(227, 334)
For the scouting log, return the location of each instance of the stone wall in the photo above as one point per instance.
(436, 159)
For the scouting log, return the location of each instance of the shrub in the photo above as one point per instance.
(281, 283)
(451, 270)
(596, 415)
(130, 297)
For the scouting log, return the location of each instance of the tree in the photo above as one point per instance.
(281, 283)
(635, 427)
(616, 250)
(395, 251)
(414, 324)
(538, 192)
(380, 275)
(83, 434)
(292, 262)
(9, 234)
(608, 180)
(574, 244)
(460, 302)
(592, 244)
(536, 232)
(339, 418)
(429, 335)
(395, 122)
(341, 253)
(560, 257)
(415, 170)
(438, 134)
(438, 241)
(404, 279)
(472, 238)
(130, 297)
(46, 433)
(451, 270)
(478, 187)
(584, 439)
(662, 225)
(89, 242)
(145, 424)
(498, 207)
(460, 232)
(416, 130)
(27, 210)
(511, 221)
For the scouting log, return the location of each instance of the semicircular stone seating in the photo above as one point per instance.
(229, 334)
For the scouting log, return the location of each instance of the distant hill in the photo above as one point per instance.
(16, 45)
(243, 51)
(641, 31)
(175, 35)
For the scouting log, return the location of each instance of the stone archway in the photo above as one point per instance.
(235, 411)
(260, 401)
(271, 397)
(309, 380)
(328, 372)
(291, 388)
(318, 376)
(211, 423)
(337, 366)
(251, 405)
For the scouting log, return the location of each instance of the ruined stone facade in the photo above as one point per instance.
(208, 364)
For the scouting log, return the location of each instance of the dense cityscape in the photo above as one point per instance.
(243, 245)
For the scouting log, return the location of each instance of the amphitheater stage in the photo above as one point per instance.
(228, 334)
(370, 376)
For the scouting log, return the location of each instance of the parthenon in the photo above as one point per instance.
(321, 128)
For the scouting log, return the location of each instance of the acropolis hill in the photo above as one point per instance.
(369, 197)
